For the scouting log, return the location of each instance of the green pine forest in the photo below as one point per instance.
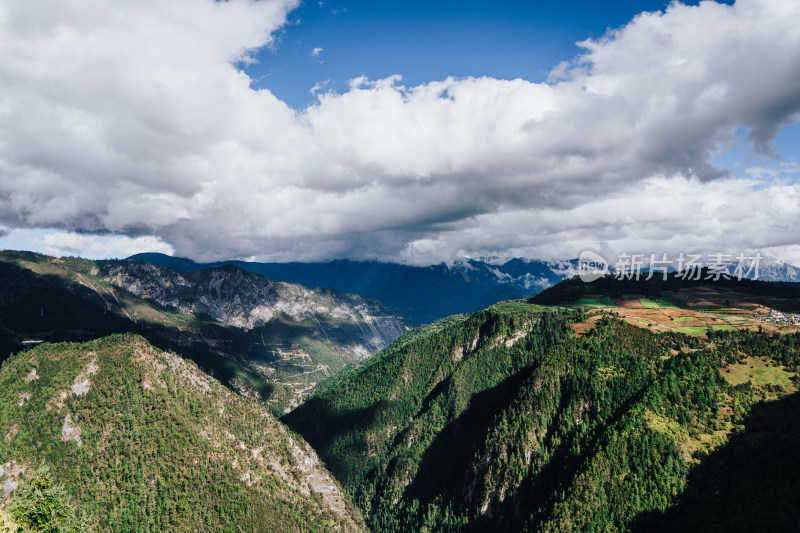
(455, 428)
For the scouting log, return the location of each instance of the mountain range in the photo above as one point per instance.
(271, 340)
(424, 294)
(617, 405)
(419, 294)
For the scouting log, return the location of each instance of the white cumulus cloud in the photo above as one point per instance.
(133, 118)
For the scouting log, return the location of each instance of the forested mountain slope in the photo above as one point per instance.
(752, 483)
(509, 420)
(142, 440)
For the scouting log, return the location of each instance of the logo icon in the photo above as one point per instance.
(591, 266)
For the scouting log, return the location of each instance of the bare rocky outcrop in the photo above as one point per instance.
(315, 478)
(12, 432)
(24, 397)
(82, 384)
(70, 431)
(246, 300)
(10, 477)
(32, 375)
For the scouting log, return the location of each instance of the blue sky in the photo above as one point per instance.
(189, 127)
(428, 41)
(740, 156)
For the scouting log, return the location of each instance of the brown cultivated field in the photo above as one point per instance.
(694, 311)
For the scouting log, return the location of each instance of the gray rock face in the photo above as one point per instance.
(248, 301)
(779, 271)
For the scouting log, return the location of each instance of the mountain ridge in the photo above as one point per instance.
(143, 440)
(248, 300)
(587, 406)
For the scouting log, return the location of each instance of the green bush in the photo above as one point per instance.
(40, 505)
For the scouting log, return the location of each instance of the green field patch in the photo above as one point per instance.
(605, 301)
(702, 330)
(758, 371)
(683, 318)
(661, 303)
(649, 304)
(733, 318)
(693, 330)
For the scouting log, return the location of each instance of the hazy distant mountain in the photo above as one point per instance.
(420, 294)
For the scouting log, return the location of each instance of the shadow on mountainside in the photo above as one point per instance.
(750, 484)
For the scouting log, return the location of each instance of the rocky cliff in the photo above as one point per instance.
(249, 301)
